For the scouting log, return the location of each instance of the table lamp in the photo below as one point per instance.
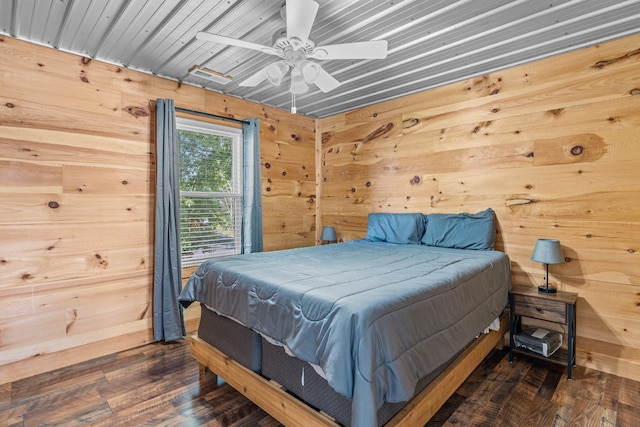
(547, 251)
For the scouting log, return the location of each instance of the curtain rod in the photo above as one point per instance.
(214, 116)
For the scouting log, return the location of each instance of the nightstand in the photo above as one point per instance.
(560, 308)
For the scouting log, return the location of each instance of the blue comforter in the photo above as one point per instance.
(376, 317)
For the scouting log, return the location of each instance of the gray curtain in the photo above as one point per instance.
(168, 320)
(252, 188)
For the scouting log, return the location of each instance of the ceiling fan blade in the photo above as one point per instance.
(255, 79)
(376, 49)
(300, 17)
(326, 82)
(216, 38)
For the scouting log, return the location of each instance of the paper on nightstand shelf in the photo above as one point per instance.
(539, 341)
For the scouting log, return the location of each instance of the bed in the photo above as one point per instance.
(372, 322)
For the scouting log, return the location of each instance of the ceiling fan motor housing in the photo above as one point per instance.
(284, 44)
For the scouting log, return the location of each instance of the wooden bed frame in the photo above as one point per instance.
(291, 412)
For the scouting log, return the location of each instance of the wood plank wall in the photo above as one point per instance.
(76, 201)
(552, 146)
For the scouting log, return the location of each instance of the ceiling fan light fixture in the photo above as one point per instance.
(310, 71)
(275, 72)
(298, 85)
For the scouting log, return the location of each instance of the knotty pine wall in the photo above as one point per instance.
(552, 146)
(77, 177)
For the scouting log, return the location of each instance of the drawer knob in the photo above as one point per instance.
(538, 308)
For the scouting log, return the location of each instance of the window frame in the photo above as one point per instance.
(236, 134)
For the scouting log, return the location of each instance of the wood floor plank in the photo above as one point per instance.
(610, 396)
(627, 416)
(13, 415)
(159, 384)
(629, 392)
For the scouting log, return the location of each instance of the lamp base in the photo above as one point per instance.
(547, 290)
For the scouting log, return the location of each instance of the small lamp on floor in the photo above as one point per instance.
(328, 234)
(547, 251)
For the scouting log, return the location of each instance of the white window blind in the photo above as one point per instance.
(210, 190)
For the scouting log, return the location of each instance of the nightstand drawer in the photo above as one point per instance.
(538, 308)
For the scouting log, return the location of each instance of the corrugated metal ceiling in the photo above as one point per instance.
(431, 43)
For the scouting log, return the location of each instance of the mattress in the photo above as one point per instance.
(342, 307)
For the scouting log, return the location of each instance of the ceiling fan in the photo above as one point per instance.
(295, 49)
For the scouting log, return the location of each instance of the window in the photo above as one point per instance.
(210, 190)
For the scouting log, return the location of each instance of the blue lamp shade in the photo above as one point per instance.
(547, 251)
(329, 234)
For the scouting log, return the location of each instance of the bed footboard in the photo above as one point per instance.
(292, 412)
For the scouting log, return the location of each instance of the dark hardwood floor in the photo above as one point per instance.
(159, 385)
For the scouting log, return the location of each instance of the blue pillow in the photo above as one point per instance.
(395, 227)
(461, 231)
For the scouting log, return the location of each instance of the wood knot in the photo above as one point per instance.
(83, 77)
(295, 137)
(409, 123)
(634, 91)
(382, 130)
(284, 173)
(9, 105)
(267, 165)
(54, 205)
(85, 60)
(137, 111)
(368, 184)
(601, 64)
(26, 276)
(576, 150)
(415, 180)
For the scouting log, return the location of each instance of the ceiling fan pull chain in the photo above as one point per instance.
(293, 100)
